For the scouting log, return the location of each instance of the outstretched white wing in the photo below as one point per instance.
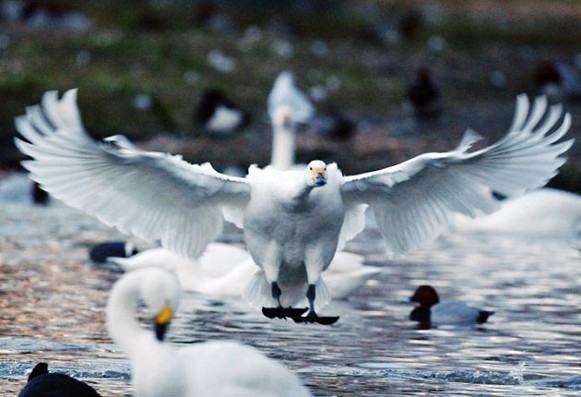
(415, 200)
(155, 196)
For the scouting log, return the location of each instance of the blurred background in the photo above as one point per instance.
(389, 79)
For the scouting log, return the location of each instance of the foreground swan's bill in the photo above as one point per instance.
(294, 221)
(42, 383)
(431, 312)
(220, 368)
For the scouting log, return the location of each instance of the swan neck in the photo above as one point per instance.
(122, 324)
(302, 194)
(283, 147)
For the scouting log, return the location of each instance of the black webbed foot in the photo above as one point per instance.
(283, 312)
(313, 317)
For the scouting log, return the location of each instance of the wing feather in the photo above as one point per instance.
(155, 196)
(414, 201)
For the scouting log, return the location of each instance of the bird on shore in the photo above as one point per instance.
(294, 221)
(558, 80)
(423, 96)
(431, 312)
(216, 368)
(42, 383)
(219, 116)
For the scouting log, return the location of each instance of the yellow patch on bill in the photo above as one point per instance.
(317, 172)
(164, 316)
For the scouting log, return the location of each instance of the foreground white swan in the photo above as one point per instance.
(224, 269)
(220, 368)
(294, 221)
(548, 213)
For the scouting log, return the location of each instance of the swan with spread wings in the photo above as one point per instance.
(293, 221)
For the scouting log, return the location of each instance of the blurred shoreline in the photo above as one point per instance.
(142, 67)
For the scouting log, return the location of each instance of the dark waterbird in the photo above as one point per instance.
(101, 252)
(432, 312)
(42, 383)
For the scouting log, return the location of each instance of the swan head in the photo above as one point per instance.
(283, 117)
(161, 292)
(316, 173)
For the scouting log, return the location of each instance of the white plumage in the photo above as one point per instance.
(284, 93)
(294, 221)
(218, 368)
(546, 213)
(287, 107)
(225, 269)
(224, 120)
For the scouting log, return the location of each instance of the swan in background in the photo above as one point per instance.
(217, 368)
(42, 383)
(548, 213)
(294, 221)
(432, 313)
(287, 107)
(224, 269)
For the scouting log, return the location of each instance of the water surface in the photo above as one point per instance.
(52, 309)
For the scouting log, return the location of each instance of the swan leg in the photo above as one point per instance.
(276, 292)
(271, 260)
(312, 316)
(281, 312)
(315, 260)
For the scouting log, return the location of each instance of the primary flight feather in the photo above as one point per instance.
(293, 221)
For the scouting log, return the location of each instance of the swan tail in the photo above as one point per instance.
(323, 296)
(258, 292)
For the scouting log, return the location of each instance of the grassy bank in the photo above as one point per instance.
(162, 52)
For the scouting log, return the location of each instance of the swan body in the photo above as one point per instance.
(540, 213)
(221, 270)
(432, 313)
(294, 221)
(219, 368)
(288, 106)
(224, 269)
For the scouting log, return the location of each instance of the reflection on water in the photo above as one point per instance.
(52, 309)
